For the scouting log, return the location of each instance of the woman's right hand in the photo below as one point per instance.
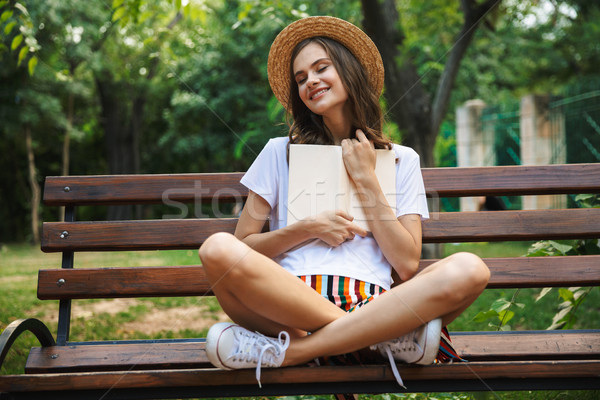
(334, 227)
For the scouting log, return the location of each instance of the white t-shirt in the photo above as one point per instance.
(359, 258)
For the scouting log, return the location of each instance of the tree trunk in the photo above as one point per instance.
(35, 187)
(122, 151)
(409, 104)
(473, 15)
(122, 119)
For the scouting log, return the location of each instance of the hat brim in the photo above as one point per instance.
(354, 39)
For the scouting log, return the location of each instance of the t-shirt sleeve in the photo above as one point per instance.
(410, 189)
(262, 176)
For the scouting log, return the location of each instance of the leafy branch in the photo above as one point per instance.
(500, 312)
(14, 17)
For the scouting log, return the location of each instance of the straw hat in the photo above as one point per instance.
(355, 40)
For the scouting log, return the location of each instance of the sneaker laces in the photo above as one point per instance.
(393, 365)
(268, 350)
(406, 343)
(401, 344)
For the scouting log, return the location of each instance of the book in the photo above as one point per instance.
(318, 181)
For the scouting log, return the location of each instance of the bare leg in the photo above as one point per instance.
(258, 294)
(460, 264)
(449, 287)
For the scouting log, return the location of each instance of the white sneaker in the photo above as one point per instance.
(417, 347)
(420, 346)
(229, 346)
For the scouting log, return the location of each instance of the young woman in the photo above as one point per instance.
(297, 283)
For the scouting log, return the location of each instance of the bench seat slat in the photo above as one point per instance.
(365, 373)
(117, 357)
(173, 281)
(442, 182)
(481, 346)
(451, 227)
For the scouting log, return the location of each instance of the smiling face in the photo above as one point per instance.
(319, 85)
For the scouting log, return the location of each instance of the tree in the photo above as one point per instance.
(119, 88)
(417, 112)
(23, 43)
(124, 53)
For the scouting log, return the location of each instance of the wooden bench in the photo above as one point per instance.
(178, 368)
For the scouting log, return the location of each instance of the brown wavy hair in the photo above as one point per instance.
(309, 128)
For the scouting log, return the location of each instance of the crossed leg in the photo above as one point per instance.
(260, 295)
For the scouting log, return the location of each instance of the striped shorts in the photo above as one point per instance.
(350, 294)
(346, 293)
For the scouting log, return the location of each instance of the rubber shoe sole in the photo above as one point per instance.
(432, 342)
(215, 333)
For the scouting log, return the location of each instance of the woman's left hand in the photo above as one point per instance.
(359, 157)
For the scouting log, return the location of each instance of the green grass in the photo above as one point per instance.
(18, 277)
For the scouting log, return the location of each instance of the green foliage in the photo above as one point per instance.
(223, 112)
(500, 313)
(199, 68)
(572, 297)
(445, 147)
(529, 47)
(588, 200)
(275, 112)
(17, 27)
(429, 30)
(216, 119)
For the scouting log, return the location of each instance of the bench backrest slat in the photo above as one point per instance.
(141, 189)
(91, 283)
(489, 226)
(441, 182)
(442, 227)
(173, 281)
(512, 180)
(167, 234)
